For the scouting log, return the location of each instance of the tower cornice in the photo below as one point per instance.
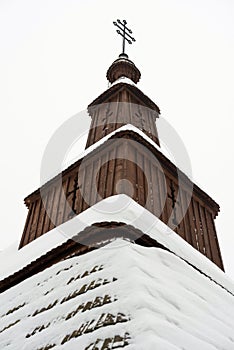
(142, 98)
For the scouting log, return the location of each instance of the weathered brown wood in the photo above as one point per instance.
(150, 175)
(98, 178)
(153, 131)
(167, 166)
(80, 194)
(33, 228)
(199, 232)
(110, 181)
(149, 198)
(48, 210)
(85, 192)
(161, 182)
(123, 95)
(187, 225)
(191, 219)
(62, 200)
(32, 208)
(141, 188)
(39, 215)
(24, 239)
(67, 205)
(103, 174)
(130, 172)
(205, 232)
(125, 187)
(59, 203)
(52, 204)
(159, 197)
(42, 213)
(91, 200)
(168, 205)
(216, 256)
(179, 217)
(55, 205)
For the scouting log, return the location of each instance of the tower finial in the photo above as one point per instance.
(125, 32)
(123, 67)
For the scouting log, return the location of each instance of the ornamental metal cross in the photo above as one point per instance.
(172, 195)
(174, 202)
(76, 187)
(125, 32)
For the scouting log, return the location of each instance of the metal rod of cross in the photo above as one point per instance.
(125, 32)
(76, 187)
(174, 201)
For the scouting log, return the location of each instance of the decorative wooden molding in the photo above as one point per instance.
(123, 67)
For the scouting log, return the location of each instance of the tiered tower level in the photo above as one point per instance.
(129, 161)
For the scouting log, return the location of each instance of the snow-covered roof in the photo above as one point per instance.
(123, 79)
(119, 208)
(103, 97)
(127, 127)
(121, 295)
(96, 145)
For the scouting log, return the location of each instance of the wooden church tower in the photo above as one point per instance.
(127, 160)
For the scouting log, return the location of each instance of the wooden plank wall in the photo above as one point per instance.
(121, 109)
(150, 181)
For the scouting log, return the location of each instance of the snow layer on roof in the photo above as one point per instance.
(119, 208)
(123, 79)
(90, 149)
(121, 295)
(127, 127)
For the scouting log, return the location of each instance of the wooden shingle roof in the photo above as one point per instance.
(120, 296)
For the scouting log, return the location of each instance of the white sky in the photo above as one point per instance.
(54, 57)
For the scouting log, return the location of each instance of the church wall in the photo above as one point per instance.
(146, 179)
(121, 109)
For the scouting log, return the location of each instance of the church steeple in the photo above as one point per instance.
(129, 164)
(123, 103)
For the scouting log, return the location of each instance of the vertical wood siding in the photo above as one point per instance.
(115, 113)
(151, 186)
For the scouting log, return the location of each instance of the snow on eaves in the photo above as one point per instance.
(119, 296)
(119, 208)
(123, 79)
(90, 149)
(127, 127)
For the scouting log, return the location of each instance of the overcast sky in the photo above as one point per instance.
(53, 62)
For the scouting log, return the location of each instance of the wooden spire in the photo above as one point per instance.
(123, 103)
